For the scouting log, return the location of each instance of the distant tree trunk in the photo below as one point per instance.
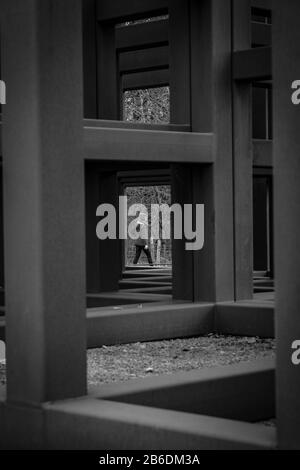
(158, 248)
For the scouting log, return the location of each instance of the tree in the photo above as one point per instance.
(147, 106)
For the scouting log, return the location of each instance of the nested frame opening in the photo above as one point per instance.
(191, 184)
(148, 190)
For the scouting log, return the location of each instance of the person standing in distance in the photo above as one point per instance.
(141, 244)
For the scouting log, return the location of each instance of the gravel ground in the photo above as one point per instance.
(126, 362)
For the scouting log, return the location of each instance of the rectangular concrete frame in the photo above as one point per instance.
(99, 423)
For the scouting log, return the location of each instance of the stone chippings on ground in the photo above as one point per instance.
(131, 361)
(126, 362)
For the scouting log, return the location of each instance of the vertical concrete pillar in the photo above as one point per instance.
(222, 128)
(1, 234)
(44, 200)
(180, 113)
(89, 24)
(286, 69)
(179, 39)
(211, 111)
(103, 256)
(109, 256)
(108, 91)
(92, 201)
(242, 160)
(182, 260)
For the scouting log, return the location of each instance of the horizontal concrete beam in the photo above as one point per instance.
(114, 10)
(139, 267)
(149, 278)
(153, 58)
(151, 290)
(262, 4)
(142, 80)
(91, 424)
(148, 323)
(264, 282)
(160, 146)
(104, 124)
(245, 392)
(263, 153)
(253, 64)
(149, 275)
(138, 36)
(135, 277)
(134, 283)
(100, 123)
(245, 319)
(124, 298)
(259, 289)
(165, 320)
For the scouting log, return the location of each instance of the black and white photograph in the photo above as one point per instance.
(149, 231)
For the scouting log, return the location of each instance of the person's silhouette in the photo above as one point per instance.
(141, 244)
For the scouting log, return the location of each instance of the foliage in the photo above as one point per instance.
(148, 106)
